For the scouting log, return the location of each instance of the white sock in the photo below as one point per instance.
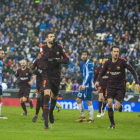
(81, 109)
(0, 107)
(91, 112)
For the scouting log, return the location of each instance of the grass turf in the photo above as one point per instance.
(19, 127)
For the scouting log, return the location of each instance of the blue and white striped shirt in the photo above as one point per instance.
(88, 70)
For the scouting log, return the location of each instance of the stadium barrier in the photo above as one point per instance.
(68, 100)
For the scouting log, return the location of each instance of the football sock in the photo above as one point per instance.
(111, 115)
(53, 103)
(99, 106)
(38, 104)
(24, 107)
(104, 105)
(46, 107)
(0, 107)
(90, 110)
(81, 109)
(58, 105)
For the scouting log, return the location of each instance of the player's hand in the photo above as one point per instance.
(137, 87)
(15, 79)
(82, 87)
(30, 83)
(96, 85)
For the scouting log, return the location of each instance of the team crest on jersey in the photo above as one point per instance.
(118, 67)
(107, 72)
(57, 53)
(26, 73)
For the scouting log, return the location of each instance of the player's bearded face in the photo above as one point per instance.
(115, 53)
(23, 65)
(84, 56)
(50, 38)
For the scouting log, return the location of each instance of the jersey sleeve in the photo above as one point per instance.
(17, 73)
(45, 55)
(34, 64)
(131, 69)
(105, 68)
(89, 74)
(65, 59)
(96, 73)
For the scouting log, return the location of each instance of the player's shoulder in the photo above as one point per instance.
(60, 46)
(108, 62)
(42, 46)
(122, 59)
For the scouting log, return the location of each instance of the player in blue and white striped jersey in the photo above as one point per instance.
(1, 67)
(85, 90)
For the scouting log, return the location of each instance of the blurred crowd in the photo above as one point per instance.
(93, 25)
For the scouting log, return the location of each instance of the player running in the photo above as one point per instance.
(116, 82)
(25, 85)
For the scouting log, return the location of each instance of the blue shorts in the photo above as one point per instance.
(85, 94)
(1, 92)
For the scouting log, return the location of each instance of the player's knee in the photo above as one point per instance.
(47, 92)
(78, 101)
(24, 99)
(116, 107)
(89, 103)
(109, 105)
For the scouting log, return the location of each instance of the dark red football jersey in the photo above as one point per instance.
(117, 77)
(50, 68)
(25, 76)
(104, 79)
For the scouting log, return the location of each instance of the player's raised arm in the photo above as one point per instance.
(131, 69)
(65, 59)
(16, 76)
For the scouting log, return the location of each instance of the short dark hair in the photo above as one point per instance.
(114, 47)
(50, 32)
(84, 51)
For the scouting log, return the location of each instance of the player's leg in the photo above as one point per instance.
(53, 104)
(104, 102)
(0, 99)
(91, 111)
(100, 98)
(38, 104)
(26, 94)
(119, 99)
(54, 94)
(59, 106)
(80, 107)
(88, 98)
(22, 102)
(47, 93)
(111, 113)
(0, 103)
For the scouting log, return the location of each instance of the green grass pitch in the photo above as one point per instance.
(19, 127)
